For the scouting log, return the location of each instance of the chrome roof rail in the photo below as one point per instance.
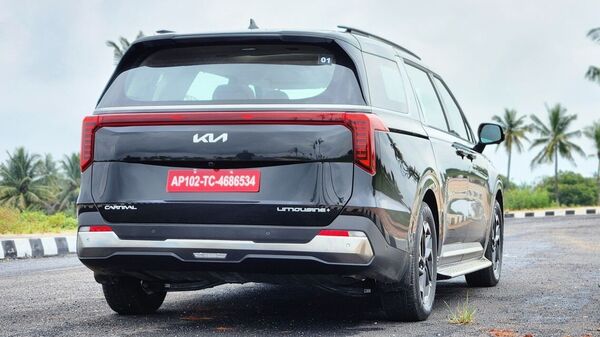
(362, 32)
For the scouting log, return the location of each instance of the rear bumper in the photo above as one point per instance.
(354, 250)
(187, 255)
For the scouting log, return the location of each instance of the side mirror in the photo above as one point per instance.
(489, 133)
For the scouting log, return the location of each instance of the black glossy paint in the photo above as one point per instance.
(301, 165)
(246, 145)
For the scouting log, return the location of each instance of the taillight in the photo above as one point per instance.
(362, 125)
(90, 123)
(363, 128)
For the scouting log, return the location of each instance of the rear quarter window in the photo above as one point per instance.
(385, 84)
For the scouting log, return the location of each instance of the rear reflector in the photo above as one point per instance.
(341, 233)
(95, 228)
(333, 232)
(362, 125)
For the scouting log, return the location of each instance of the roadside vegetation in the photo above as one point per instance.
(14, 221)
(464, 313)
(575, 190)
(37, 193)
(554, 139)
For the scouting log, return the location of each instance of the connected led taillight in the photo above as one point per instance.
(362, 125)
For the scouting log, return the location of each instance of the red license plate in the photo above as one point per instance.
(223, 180)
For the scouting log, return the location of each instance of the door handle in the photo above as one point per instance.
(461, 154)
(470, 156)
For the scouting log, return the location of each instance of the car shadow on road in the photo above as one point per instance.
(256, 308)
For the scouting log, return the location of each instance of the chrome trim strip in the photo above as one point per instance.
(357, 245)
(461, 249)
(234, 107)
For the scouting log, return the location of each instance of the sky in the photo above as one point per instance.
(493, 54)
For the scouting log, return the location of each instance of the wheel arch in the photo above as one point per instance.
(500, 198)
(430, 199)
(498, 195)
(430, 193)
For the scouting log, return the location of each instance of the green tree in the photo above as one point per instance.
(575, 190)
(50, 179)
(120, 47)
(515, 131)
(71, 181)
(593, 72)
(21, 183)
(593, 132)
(554, 140)
(47, 170)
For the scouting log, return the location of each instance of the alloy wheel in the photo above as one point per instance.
(496, 244)
(426, 277)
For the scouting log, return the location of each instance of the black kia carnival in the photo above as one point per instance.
(333, 159)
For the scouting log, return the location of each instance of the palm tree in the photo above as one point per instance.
(515, 131)
(120, 48)
(555, 138)
(72, 180)
(593, 132)
(593, 73)
(50, 179)
(21, 184)
(48, 171)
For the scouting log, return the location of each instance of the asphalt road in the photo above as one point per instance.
(550, 286)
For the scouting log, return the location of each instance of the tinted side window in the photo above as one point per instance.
(455, 120)
(428, 100)
(385, 83)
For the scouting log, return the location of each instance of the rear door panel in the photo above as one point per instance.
(306, 173)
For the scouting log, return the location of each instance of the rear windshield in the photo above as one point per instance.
(242, 74)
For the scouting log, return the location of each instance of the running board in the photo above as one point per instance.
(462, 268)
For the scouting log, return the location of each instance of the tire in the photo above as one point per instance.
(127, 297)
(415, 302)
(490, 276)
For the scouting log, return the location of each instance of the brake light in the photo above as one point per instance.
(363, 128)
(90, 123)
(362, 125)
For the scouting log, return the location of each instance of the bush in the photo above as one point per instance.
(573, 189)
(13, 221)
(527, 198)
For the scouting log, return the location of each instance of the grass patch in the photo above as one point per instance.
(13, 221)
(464, 313)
